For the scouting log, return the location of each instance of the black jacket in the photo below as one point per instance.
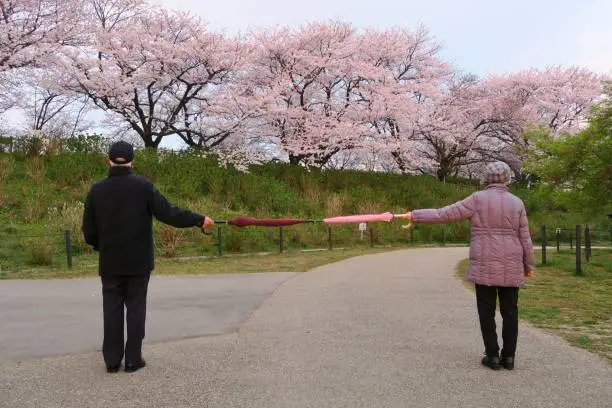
(118, 222)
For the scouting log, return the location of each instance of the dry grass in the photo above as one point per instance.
(334, 204)
(35, 168)
(7, 165)
(170, 239)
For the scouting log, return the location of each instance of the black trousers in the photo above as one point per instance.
(486, 300)
(119, 292)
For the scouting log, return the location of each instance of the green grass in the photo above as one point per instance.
(578, 308)
(292, 261)
(42, 196)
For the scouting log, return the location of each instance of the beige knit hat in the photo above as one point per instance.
(497, 173)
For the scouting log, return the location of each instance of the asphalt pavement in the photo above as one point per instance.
(382, 330)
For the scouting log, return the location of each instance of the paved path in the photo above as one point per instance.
(385, 330)
(50, 317)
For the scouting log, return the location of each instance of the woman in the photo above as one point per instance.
(501, 256)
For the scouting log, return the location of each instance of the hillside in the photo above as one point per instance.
(40, 197)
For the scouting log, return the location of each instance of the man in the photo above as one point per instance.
(118, 223)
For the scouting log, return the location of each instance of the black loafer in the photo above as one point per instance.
(508, 363)
(132, 367)
(492, 362)
(112, 368)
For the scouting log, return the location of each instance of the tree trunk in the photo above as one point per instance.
(150, 144)
(294, 159)
(148, 140)
(401, 164)
(444, 170)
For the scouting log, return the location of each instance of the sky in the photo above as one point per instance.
(477, 36)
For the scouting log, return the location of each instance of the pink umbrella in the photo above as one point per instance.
(348, 219)
(385, 217)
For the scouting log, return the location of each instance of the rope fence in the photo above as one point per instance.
(580, 239)
(65, 248)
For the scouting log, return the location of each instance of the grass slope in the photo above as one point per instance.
(42, 196)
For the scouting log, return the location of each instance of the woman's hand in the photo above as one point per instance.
(530, 274)
(407, 216)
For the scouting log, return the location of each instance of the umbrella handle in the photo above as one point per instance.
(207, 232)
(407, 216)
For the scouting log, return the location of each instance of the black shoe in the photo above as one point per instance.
(508, 363)
(130, 367)
(113, 368)
(492, 362)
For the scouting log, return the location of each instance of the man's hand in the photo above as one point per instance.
(530, 274)
(208, 223)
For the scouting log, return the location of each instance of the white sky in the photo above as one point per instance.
(478, 36)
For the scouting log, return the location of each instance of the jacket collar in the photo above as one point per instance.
(497, 186)
(119, 171)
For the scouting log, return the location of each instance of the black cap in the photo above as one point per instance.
(121, 152)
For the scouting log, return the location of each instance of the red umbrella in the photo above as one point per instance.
(243, 221)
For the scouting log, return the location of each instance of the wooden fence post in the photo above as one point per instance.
(68, 240)
(578, 254)
(218, 244)
(587, 243)
(544, 244)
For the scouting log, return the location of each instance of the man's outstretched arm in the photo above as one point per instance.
(171, 215)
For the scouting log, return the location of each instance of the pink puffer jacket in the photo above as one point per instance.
(501, 250)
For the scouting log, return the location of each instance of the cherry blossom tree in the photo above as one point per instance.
(111, 15)
(47, 110)
(483, 120)
(555, 97)
(324, 94)
(31, 33)
(443, 133)
(33, 30)
(161, 73)
(308, 83)
(408, 78)
(328, 88)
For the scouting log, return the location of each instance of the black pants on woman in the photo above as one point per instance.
(486, 300)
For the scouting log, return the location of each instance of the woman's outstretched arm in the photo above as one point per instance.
(459, 211)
